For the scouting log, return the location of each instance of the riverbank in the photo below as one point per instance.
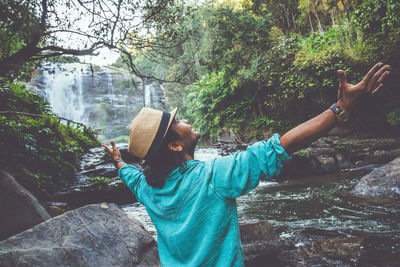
(98, 180)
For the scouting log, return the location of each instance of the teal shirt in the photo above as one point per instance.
(195, 213)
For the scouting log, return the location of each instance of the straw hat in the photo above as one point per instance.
(148, 130)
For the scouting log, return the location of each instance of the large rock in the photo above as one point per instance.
(115, 192)
(19, 209)
(94, 235)
(259, 242)
(382, 181)
(225, 138)
(315, 246)
(326, 164)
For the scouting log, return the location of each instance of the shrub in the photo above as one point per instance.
(38, 150)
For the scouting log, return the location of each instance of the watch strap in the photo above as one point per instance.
(341, 114)
(116, 161)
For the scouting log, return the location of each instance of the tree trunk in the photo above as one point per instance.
(309, 19)
(259, 99)
(314, 9)
(13, 62)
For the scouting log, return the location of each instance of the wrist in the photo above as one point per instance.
(342, 115)
(117, 161)
(342, 104)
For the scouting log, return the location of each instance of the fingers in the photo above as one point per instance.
(377, 89)
(112, 144)
(372, 71)
(107, 149)
(378, 77)
(342, 77)
(383, 76)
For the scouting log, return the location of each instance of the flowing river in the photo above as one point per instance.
(324, 224)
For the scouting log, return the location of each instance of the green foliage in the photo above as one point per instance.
(377, 16)
(210, 106)
(394, 117)
(347, 146)
(38, 151)
(258, 67)
(97, 182)
(16, 98)
(301, 153)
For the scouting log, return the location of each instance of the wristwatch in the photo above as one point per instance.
(118, 160)
(341, 114)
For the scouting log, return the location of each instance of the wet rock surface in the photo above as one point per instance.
(332, 154)
(382, 181)
(314, 243)
(97, 164)
(19, 209)
(317, 247)
(94, 235)
(259, 242)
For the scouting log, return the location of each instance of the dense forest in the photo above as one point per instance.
(242, 67)
(251, 68)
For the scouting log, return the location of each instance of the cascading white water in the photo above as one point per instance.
(104, 99)
(63, 89)
(149, 95)
(110, 86)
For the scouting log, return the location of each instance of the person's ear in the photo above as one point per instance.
(175, 147)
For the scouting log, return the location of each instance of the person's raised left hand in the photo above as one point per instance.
(348, 94)
(114, 152)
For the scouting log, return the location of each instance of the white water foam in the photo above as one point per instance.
(63, 88)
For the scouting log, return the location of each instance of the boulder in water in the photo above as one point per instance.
(382, 181)
(259, 242)
(94, 235)
(19, 209)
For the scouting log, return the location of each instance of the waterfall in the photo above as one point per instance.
(147, 95)
(105, 100)
(152, 94)
(64, 91)
(109, 85)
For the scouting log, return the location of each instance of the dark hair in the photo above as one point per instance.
(157, 168)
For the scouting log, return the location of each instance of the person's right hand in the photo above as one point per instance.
(348, 94)
(114, 152)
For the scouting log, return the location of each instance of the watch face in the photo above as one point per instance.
(335, 108)
(338, 109)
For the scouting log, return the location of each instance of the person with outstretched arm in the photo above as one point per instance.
(192, 203)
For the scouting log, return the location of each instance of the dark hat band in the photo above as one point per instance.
(162, 129)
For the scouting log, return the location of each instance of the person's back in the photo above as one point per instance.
(195, 212)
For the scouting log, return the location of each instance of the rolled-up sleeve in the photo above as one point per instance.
(133, 178)
(238, 174)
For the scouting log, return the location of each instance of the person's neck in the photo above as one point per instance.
(189, 156)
